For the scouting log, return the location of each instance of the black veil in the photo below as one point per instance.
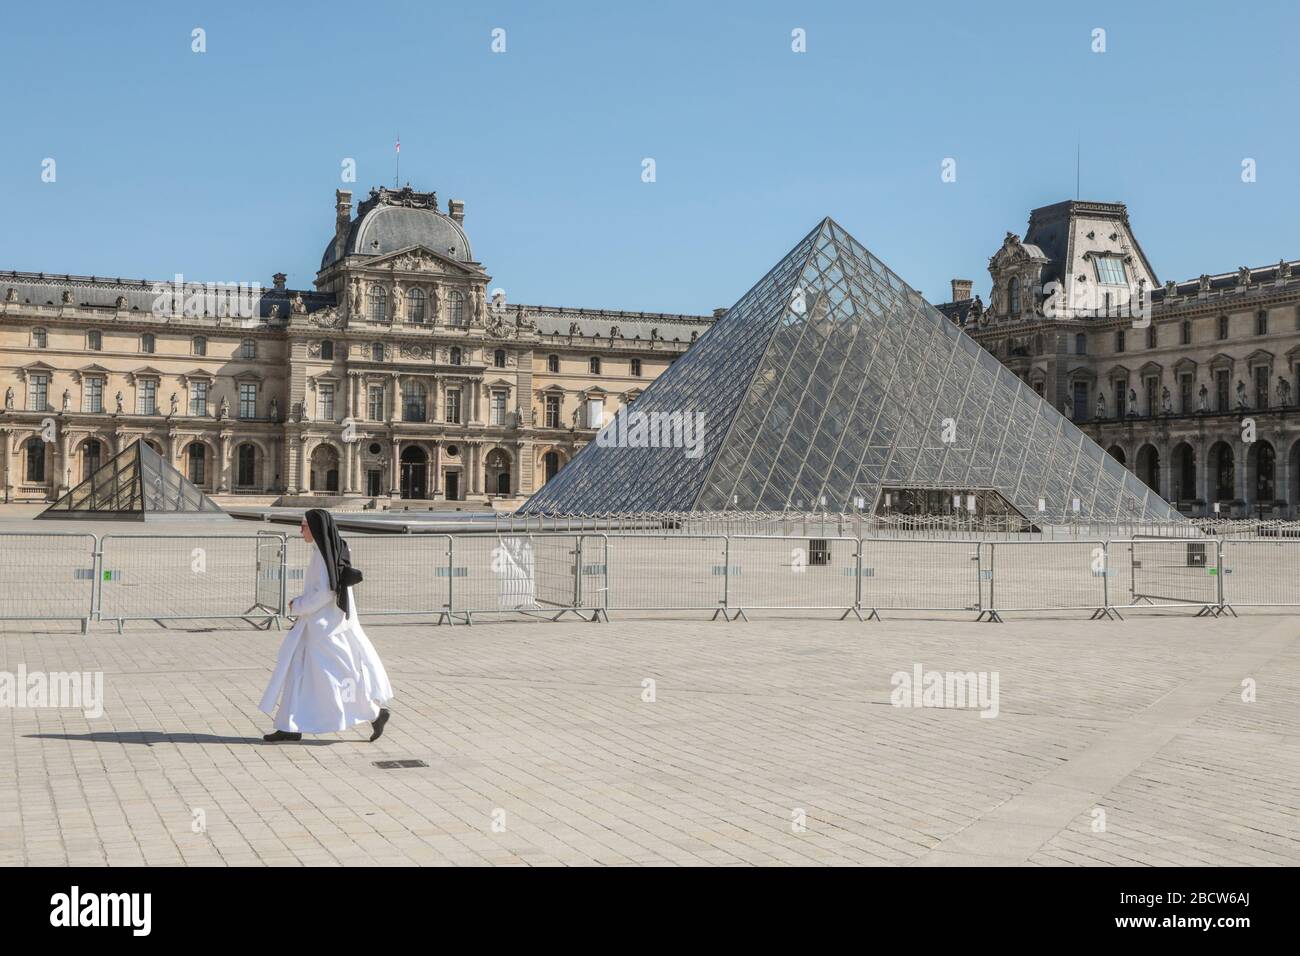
(336, 554)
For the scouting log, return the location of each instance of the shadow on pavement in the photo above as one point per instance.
(151, 737)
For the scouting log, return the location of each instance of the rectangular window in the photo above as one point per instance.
(198, 399)
(38, 393)
(247, 400)
(595, 412)
(1261, 386)
(92, 395)
(1221, 388)
(1121, 399)
(453, 406)
(498, 408)
(552, 411)
(146, 402)
(1223, 327)
(1261, 323)
(325, 402)
(375, 403)
(636, 368)
(1080, 401)
(1185, 392)
(413, 402)
(1120, 341)
(1153, 403)
(1110, 270)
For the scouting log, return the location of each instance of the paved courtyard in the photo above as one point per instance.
(768, 742)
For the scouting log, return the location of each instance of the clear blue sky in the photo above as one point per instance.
(223, 165)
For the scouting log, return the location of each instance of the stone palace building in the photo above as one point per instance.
(1192, 384)
(400, 375)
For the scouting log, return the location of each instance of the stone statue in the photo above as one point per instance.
(1204, 397)
(11, 294)
(478, 306)
(120, 302)
(9, 397)
(298, 305)
(225, 408)
(614, 332)
(119, 403)
(1171, 289)
(1283, 269)
(275, 310)
(1101, 405)
(1283, 391)
(67, 399)
(1204, 282)
(275, 409)
(523, 321)
(435, 302)
(1166, 401)
(1241, 394)
(304, 412)
(356, 296)
(67, 297)
(573, 328)
(1132, 402)
(1243, 275)
(173, 403)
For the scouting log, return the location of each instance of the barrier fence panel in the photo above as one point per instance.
(780, 572)
(47, 576)
(920, 575)
(593, 574)
(1263, 572)
(180, 577)
(1046, 575)
(676, 572)
(401, 574)
(1164, 573)
(513, 572)
(270, 573)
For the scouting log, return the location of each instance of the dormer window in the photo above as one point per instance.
(1013, 297)
(1110, 270)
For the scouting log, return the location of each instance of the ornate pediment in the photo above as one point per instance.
(421, 259)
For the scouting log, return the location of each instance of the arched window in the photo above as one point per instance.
(553, 364)
(378, 304)
(195, 459)
(456, 306)
(327, 350)
(1081, 344)
(455, 355)
(593, 365)
(415, 306)
(248, 349)
(35, 449)
(499, 358)
(199, 345)
(147, 343)
(1013, 296)
(94, 341)
(246, 466)
(39, 338)
(376, 352)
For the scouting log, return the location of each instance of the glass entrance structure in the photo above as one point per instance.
(135, 484)
(828, 382)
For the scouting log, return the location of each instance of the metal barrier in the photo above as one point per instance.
(48, 576)
(1147, 572)
(927, 575)
(1248, 573)
(181, 577)
(1044, 576)
(770, 572)
(161, 577)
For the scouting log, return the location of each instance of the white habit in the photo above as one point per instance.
(327, 675)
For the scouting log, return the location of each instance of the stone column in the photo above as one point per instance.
(1239, 470)
(524, 466)
(393, 400)
(63, 477)
(6, 464)
(1203, 473)
(436, 477)
(395, 472)
(349, 457)
(471, 465)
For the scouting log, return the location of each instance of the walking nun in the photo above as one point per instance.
(327, 676)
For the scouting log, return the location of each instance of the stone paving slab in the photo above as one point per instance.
(541, 750)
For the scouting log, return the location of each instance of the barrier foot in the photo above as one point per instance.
(85, 625)
(441, 616)
(874, 615)
(717, 612)
(1106, 614)
(740, 615)
(853, 611)
(598, 616)
(1226, 609)
(1208, 610)
(993, 617)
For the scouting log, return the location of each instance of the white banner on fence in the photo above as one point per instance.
(512, 561)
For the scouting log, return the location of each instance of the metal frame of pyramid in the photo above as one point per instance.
(825, 386)
(135, 484)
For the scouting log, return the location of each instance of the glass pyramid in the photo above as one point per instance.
(135, 483)
(828, 384)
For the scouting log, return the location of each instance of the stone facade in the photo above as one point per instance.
(1193, 385)
(401, 375)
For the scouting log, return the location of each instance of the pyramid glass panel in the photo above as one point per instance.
(832, 379)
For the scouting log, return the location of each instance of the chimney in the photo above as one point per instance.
(456, 209)
(961, 289)
(278, 281)
(342, 211)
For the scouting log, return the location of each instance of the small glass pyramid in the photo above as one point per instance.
(829, 384)
(134, 483)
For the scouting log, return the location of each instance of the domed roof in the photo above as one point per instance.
(398, 219)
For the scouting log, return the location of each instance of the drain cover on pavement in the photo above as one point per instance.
(399, 764)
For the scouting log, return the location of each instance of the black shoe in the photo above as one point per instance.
(378, 724)
(279, 736)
